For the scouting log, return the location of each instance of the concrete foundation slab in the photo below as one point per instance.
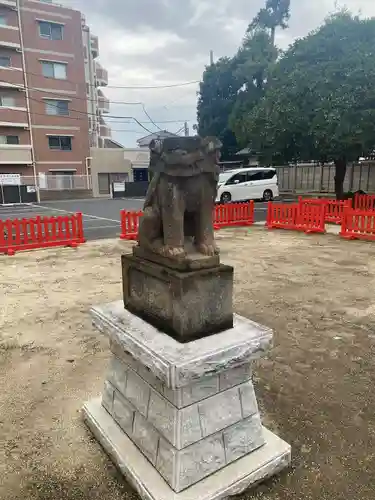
(233, 479)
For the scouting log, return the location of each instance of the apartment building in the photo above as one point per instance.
(51, 102)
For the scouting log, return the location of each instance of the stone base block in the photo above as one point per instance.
(185, 305)
(233, 479)
(187, 445)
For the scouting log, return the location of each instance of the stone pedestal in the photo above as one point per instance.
(181, 421)
(186, 304)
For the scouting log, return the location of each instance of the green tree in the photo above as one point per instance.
(275, 14)
(256, 58)
(254, 61)
(320, 102)
(233, 86)
(216, 98)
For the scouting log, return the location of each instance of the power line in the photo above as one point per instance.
(154, 87)
(81, 98)
(86, 114)
(125, 87)
(32, 89)
(159, 121)
(127, 131)
(149, 117)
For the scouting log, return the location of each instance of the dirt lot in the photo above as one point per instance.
(316, 389)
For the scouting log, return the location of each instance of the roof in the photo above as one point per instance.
(246, 151)
(111, 143)
(145, 141)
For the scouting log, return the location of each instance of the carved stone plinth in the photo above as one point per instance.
(181, 421)
(185, 304)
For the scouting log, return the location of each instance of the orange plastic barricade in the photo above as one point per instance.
(358, 225)
(364, 202)
(334, 208)
(282, 215)
(233, 215)
(40, 232)
(129, 224)
(296, 216)
(311, 218)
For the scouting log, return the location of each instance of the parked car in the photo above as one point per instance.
(247, 184)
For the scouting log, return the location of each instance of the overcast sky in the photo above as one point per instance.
(164, 42)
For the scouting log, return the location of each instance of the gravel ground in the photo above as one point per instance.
(316, 387)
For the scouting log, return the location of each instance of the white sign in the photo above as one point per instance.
(118, 187)
(42, 180)
(31, 189)
(10, 179)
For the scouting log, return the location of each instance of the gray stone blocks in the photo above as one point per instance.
(190, 409)
(211, 427)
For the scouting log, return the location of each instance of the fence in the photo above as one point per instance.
(59, 182)
(13, 194)
(309, 218)
(364, 202)
(334, 210)
(233, 214)
(314, 178)
(40, 232)
(129, 224)
(282, 216)
(358, 224)
(229, 215)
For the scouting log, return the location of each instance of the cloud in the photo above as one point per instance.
(161, 42)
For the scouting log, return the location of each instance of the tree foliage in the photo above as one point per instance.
(217, 96)
(320, 102)
(254, 61)
(275, 14)
(233, 86)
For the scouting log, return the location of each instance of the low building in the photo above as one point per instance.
(144, 142)
(118, 165)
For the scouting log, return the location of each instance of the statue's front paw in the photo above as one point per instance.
(208, 249)
(173, 252)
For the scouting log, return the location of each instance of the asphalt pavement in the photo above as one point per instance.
(101, 217)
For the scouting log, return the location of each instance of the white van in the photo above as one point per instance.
(254, 183)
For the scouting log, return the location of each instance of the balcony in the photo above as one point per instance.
(94, 42)
(103, 102)
(13, 117)
(101, 76)
(15, 154)
(104, 130)
(10, 37)
(12, 4)
(11, 77)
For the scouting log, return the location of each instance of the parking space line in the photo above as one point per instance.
(83, 214)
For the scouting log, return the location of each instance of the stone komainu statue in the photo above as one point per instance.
(181, 196)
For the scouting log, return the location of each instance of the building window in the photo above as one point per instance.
(7, 101)
(54, 70)
(5, 61)
(103, 182)
(9, 139)
(56, 107)
(50, 31)
(61, 143)
(3, 20)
